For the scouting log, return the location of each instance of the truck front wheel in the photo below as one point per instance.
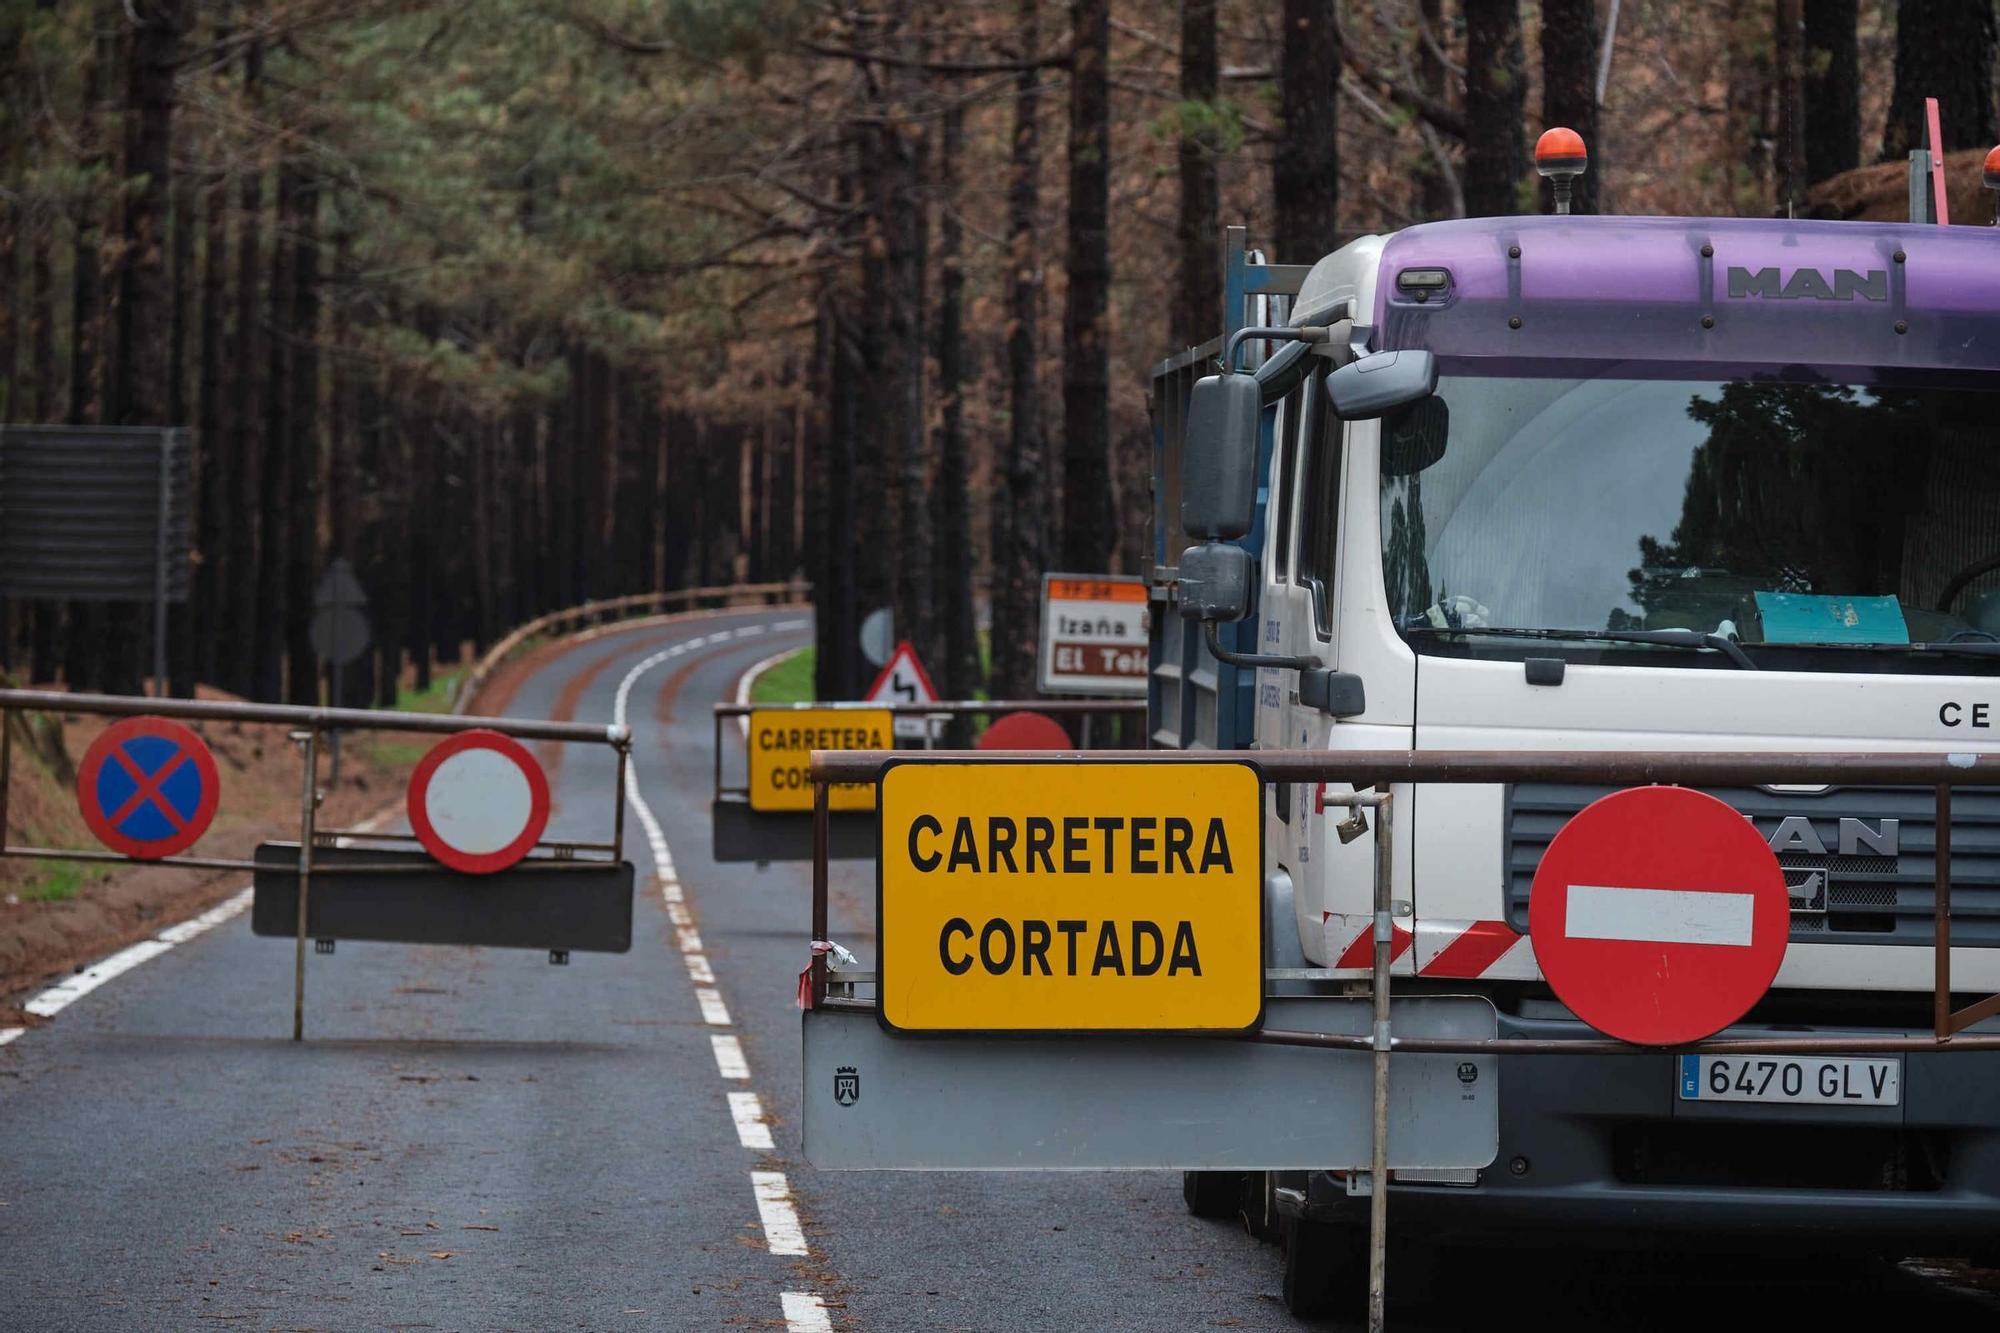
(1212, 1193)
(1326, 1269)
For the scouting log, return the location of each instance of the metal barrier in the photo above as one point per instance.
(325, 853)
(1373, 774)
(740, 833)
(571, 619)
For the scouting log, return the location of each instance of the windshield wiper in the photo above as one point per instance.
(1671, 638)
(1966, 647)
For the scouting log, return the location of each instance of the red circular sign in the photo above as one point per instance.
(147, 787)
(1659, 915)
(1025, 731)
(478, 801)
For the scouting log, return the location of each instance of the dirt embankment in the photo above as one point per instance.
(56, 916)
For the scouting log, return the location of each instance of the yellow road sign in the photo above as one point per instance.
(1071, 897)
(781, 744)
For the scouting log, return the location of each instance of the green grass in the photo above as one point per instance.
(436, 699)
(788, 682)
(398, 750)
(59, 883)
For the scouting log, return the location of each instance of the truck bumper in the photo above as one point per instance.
(1600, 1149)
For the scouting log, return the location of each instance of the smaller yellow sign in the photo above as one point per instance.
(1071, 897)
(781, 744)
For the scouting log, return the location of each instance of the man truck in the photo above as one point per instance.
(1571, 483)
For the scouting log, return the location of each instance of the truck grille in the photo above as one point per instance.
(1844, 888)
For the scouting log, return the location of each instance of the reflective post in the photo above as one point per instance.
(1385, 938)
(308, 812)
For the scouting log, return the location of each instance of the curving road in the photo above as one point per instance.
(477, 1140)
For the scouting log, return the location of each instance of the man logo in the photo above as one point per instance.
(847, 1085)
(1809, 283)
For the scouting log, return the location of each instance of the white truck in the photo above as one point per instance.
(1681, 484)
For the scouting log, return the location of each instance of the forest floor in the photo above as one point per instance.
(56, 916)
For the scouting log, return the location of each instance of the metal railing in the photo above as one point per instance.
(308, 726)
(571, 619)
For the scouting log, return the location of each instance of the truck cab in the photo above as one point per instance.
(1683, 484)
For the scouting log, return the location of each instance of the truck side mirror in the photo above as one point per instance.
(1215, 582)
(1219, 465)
(1378, 384)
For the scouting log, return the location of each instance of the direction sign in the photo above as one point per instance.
(478, 801)
(1659, 915)
(782, 740)
(147, 787)
(904, 681)
(1039, 896)
(1093, 635)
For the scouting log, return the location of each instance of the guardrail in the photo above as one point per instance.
(1381, 771)
(571, 619)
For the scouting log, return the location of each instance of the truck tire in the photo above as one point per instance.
(1326, 1270)
(1212, 1193)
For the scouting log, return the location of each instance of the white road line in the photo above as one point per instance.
(729, 1061)
(59, 997)
(8, 1034)
(208, 920)
(748, 681)
(782, 1233)
(699, 971)
(1659, 916)
(713, 1011)
(748, 1113)
(805, 1312)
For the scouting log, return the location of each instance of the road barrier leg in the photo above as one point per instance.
(308, 812)
(1378, 1197)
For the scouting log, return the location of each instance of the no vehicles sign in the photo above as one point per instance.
(781, 744)
(1067, 897)
(1093, 635)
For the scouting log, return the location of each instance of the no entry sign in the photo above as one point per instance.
(479, 801)
(147, 787)
(1658, 915)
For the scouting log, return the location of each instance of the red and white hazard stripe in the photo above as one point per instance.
(1470, 950)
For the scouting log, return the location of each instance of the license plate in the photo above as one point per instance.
(1794, 1079)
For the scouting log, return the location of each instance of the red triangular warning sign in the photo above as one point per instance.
(903, 680)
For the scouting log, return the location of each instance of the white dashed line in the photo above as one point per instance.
(782, 1233)
(729, 1061)
(713, 1011)
(805, 1312)
(8, 1034)
(748, 1113)
(60, 996)
(776, 1213)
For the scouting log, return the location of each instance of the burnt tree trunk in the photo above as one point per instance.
(1305, 161)
(1496, 165)
(278, 451)
(1198, 278)
(960, 666)
(302, 480)
(1020, 492)
(243, 386)
(1089, 531)
(1944, 49)
(1789, 152)
(1832, 88)
(1569, 88)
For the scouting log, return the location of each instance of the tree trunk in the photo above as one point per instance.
(1944, 49)
(1496, 165)
(1198, 279)
(1089, 531)
(1569, 88)
(84, 657)
(1748, 122)
(1788, 56)
(1832, 88)
(1438, 191)
(960, 666)
(243, 386)
(280, 452)
(217, 461)
(1305, 161)
(1020, 494)
(302, 481)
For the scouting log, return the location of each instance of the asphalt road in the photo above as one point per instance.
(478, 1140)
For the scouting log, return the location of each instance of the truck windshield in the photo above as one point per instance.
(1819, 525)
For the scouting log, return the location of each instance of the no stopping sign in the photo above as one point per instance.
(479, 801)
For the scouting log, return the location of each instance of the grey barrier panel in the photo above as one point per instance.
(739, 833)
(95, 513)
(877, 1102)
(537, 904)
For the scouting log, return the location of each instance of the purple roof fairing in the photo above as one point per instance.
(1774, 292)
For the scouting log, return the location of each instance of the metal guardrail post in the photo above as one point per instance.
(308, 816)
(1385, 939)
